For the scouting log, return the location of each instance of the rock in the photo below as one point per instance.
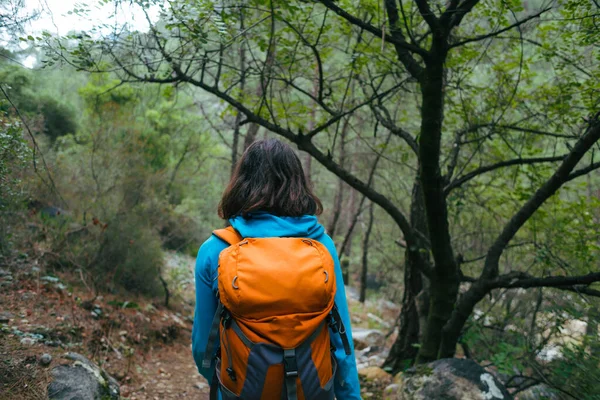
(4, 272)
(379, 320)
(449, 379)
(364, 338)
(27, 341)
(374, 374)
(82, 379)
(352, 293)
(372, 351)
(5, 317)
(45, 359)
(541, 391)
(391, 391)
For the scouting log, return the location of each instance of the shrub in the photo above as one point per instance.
(14, 155)
(130, 256)
(179, 232)
(59, 119)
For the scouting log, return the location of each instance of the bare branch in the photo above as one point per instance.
(457, 15)
(482, 170)
(386, 121)
(583, 171)
(404, 55)
(524, 280)
(404, 49)
(330, 4)
(498, 32)
(427, 14)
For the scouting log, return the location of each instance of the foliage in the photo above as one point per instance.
(128, 171)
(130, 256)
(14, 157)
(57, 119)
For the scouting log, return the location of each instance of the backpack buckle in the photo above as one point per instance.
(290, 365)
(333, 324)
(226, 316)
(231, 374)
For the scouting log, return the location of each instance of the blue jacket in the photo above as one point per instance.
(267, 225)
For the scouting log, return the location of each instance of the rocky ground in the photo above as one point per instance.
(145, 346)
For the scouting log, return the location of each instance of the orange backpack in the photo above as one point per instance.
(276, 303)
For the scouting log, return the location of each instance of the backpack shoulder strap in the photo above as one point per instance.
(229, 235)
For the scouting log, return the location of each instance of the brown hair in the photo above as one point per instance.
(269, 177)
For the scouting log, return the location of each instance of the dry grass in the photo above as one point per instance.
(20, 376)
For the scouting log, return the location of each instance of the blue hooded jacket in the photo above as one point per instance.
(261, 225)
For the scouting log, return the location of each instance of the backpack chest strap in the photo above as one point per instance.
(290, 367)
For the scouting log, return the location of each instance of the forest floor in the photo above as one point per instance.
(144, 345)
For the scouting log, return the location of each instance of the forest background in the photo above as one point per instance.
(452, 144)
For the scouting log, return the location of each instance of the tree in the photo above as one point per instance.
(475, 74)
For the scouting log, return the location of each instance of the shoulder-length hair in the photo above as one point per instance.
(269, 177)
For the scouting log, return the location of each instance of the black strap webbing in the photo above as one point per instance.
(214, 387)
(212, 338)
(290, 368)
(341, 330)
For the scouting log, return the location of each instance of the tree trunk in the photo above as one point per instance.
(339, 193)
(413, 315)
(591, 331)
(445, 277)
(308, 167)
(365, 256)
(236, 141)
(251, 134)
(238, 117)
(345, 248)
(311, 125)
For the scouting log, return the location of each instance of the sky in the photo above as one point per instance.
(57, 17)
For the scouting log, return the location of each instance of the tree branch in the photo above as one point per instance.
(488, 279)
(404, 49)
(460, 12)
(304, 143)
(482, 170)
(387, 123)
(547, 190)
(397, 41)
(404, 55)
(498, 32)
(583, 171)
(427, 14)
(524, 280)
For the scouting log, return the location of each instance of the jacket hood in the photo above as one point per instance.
(262, 224)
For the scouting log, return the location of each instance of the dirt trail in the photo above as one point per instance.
(145, 346)
(169, 373)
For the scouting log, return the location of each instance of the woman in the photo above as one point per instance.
(268, 196)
